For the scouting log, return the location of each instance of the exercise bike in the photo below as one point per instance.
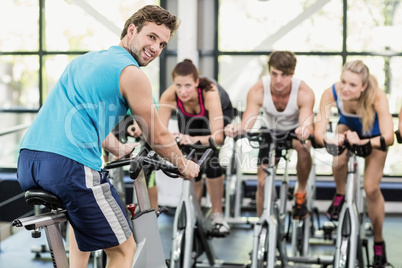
(149, 252)
(350, 233)
(192, 232)
(307, 231)
(234, 188)
(269, 234)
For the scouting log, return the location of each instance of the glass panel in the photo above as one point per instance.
(395, 82)
(19, 80)
(374, 26)
(86, 25)
(263, 25)
(20, 25)
(10, 142)
(319, 72)
(393, 165)
(53, 68)
(55, 65)
(152, 71)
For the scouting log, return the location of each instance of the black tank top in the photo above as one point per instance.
(198, 124)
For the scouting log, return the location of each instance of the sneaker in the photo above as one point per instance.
(335, 208)
(300, 210)
(220, 228)
(380, 257)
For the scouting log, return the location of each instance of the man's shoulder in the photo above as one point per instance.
(256, 93)
(305, 96)
(304, 88)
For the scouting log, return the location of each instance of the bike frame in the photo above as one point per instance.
(234, 190)
(349, 227)
(149, 252)
(50, 222)
(266, 230)
(189, 219)
(302, 230)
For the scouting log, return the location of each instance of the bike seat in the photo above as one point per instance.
(38, 196)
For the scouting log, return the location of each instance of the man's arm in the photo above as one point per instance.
(136, 89)
(255, 97)
(305, 101)
(114, 146)
(214, 108)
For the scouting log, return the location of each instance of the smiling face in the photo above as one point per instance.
(147, 45)
(351, 86)
(186, 87)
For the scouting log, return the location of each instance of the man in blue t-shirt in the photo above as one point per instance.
(61, 151)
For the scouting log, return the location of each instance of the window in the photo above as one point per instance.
(38, 41)
(324, 34)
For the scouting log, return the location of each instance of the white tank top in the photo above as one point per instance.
(288, 119)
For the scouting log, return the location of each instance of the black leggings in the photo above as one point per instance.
(211, 168)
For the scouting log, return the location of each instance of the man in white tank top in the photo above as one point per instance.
(287, 103)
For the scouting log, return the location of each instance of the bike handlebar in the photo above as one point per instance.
(198, 147)
(151, 159)
(359, 150)
(282, 138)
(190, 149)
(398, 136)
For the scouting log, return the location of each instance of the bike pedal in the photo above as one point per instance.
(162, 210)
(36, 234)
(328, 228)
(213, 234)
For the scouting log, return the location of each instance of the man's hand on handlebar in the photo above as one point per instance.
(302, 133)
(126, 150)
(232, 130)
(189, 169)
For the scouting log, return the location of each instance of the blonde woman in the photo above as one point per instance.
(363, 117)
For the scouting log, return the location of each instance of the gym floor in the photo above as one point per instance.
(15, 251)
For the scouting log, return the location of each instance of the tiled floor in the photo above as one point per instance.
(15, 251)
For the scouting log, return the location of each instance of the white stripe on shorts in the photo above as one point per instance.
(107, 204)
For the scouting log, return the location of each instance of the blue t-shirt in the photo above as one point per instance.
(82, 108)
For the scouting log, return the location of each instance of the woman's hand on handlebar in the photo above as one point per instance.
(338, 139)
(353, 138)
(183, 139)
(232, 130)
(302, 133)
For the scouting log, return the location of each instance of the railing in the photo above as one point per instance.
(14, 129)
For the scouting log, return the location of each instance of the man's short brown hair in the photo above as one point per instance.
(152, 13)
(284, 61)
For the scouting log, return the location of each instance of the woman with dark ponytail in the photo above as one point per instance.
(203, 108)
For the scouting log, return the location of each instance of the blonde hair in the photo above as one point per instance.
(366, 100)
